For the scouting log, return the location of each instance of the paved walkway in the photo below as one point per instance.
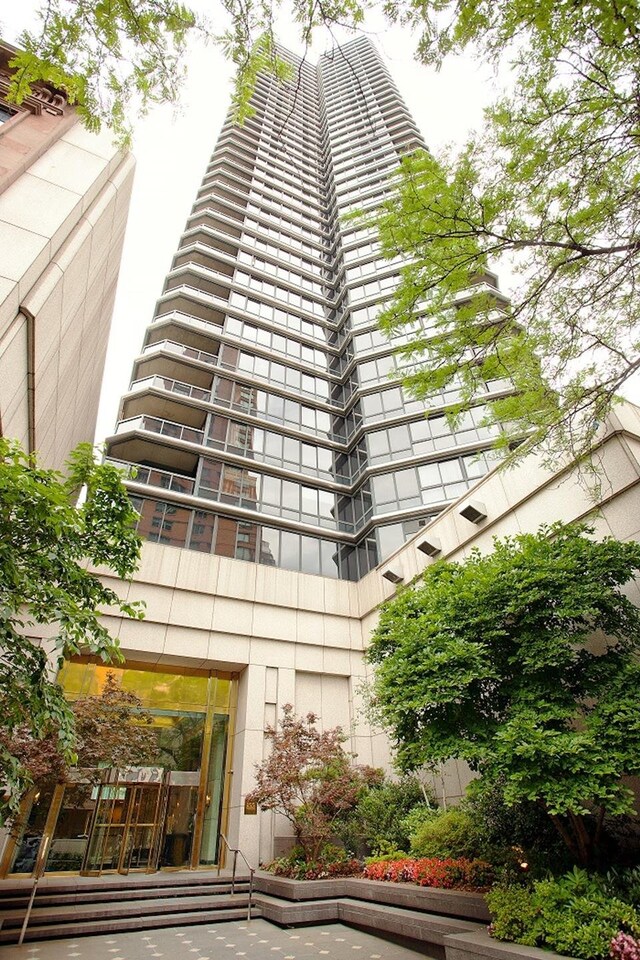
(258, 940)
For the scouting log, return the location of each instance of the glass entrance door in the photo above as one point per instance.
(127, 828)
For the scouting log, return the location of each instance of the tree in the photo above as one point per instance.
(118, 57)
(309, 779)
(549, 186)
(525, 664)
(46, 542)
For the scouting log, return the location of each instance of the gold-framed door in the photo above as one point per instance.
(127, 828)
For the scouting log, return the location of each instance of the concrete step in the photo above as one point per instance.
(119, 907)
(137, 892)
(410, 925)
(134, 881)
(123, 924)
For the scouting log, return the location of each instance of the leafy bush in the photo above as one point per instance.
(450, 833)
(378, 823)
(386, 857)
(416, 817)
(448, 873)
(513, 913)
(624, 884)
(572, 915)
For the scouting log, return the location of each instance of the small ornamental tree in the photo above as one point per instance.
(47, 541)
(309, 779)
(525, 664)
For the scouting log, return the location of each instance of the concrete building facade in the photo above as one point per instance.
(64, 198)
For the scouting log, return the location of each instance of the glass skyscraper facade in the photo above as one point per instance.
(263, 418)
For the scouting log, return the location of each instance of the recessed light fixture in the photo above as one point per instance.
(392, 576)
(431, 546)
(474, 511)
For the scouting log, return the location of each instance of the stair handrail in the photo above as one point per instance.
(237, 852)
(41, 862)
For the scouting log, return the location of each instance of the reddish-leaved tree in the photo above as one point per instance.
(310, 779)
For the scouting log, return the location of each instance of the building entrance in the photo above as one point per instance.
(142, 825)
(127, 829)
(167, 815)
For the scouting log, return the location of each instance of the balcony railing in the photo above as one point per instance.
(174, 386)
(167, 428)
(190, 353)
(152, 477)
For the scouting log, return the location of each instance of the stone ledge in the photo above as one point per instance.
(471, 946)
(449, 903)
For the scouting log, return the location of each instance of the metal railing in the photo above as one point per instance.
(236, 853)
(40, 866)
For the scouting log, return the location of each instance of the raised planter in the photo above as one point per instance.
(448, 924)
(448, 903)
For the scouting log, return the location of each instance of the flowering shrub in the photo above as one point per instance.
(624, 947)
(447, 873)
(300, 869)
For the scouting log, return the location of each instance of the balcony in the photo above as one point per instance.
(153, 477)
(175, 386)
(190, 353)
(166, 428)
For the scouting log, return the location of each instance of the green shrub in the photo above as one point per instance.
(450, 833)
(386, 857)
(377, 822)
(417, 817)
(573, 915)
(624, 884)
(512, 913)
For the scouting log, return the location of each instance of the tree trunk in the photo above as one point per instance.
(575, 836)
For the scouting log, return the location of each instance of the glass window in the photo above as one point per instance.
(273, 446)
(390, 537)
(407, 485)
(429, 475)
(384, 491)
(310, 555)
(290, 550)
(270, 547)
(233, 326)
(309, 500)
(226, 537)
(451, 470)
(290, 495)
(271, 490)
(329, 558)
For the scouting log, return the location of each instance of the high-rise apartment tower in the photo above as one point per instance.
(262, 415)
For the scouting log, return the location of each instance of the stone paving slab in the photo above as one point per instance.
(258, 940)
